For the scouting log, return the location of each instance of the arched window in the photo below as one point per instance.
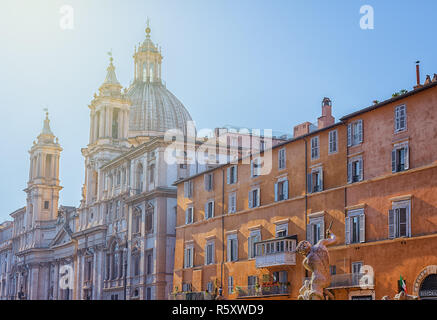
(115, 124)
(152, 71)
(139, 179)
(136, 220)
(48, 172)
(144, 72)
(149, 218)
(116, 260)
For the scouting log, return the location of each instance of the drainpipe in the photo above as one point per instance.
(306, 192)
(223, 233)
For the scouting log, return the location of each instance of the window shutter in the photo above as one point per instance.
(185, 258)
(205, 180)
(347, 225)
(228, 248)
(407, 157)
(191, 188)
(360, 166)
(228, 173)
(360, 131)
(349, 135)
(234, 202)
(212, 210)
(250, 198)
(362, 228)
(258, 198)
(191, 257)
(309, 183)
(206, 254)
(391, 224)
(393, 160)
(276, 192)
(322, 228)
(285, 189)
(206, 210)
(186, 216)
(310, 233)
(186, 189)
(212, 181)
(235, 245)
(321, 180)
(236, 174)
(349, 172)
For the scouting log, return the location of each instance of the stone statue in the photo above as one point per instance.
(317, 262)
(401, 296)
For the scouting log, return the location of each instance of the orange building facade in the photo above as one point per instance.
(371, 178)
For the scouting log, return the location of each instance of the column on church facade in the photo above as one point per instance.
(102, 129)
(33, 282)
(56, 281)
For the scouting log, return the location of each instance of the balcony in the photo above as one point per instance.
(351, 280)
(191, 296)
(276, 252)
(264, 290)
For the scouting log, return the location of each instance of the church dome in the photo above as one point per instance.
(154, 109)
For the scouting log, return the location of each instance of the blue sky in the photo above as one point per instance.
(258, 64)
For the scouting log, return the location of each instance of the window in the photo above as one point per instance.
(149, 218)
(251, 282)
(281, 159)
(210, 286)
(46, 204)
(400, 158)
(255, 167)
(356, 267)
(136, 264)
(254, 198)
(189, 216)
(186, 287)
(208, 181)
(355, 133)
(400, 118)
(315, 230)
(333, 142)
(209, 253)
(188, 256)
(280, 277)
(399, 220)
(355, 226)
(315, 148)
(332, 270)
(281, 230)
(139, 178)
(149, 261)
(137, 220)
(315, 180)
(355, 170)
(254, 237)
(209, 210)
(152, 173)
(188, 189)
(232, 247)
(232, 174)
(232, 202)
(230, 285)
(115, 124)
(281, 190)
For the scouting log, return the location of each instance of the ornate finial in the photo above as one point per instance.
(111, 59)
(148, 27)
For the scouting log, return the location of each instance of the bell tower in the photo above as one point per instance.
(109, 125)
(43, 186)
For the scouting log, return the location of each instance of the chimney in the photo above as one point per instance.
(418, 85)
(434, 79)
(326, 119)
(302, 129)
(428, 79)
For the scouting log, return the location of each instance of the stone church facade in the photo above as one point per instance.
(119, 243)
